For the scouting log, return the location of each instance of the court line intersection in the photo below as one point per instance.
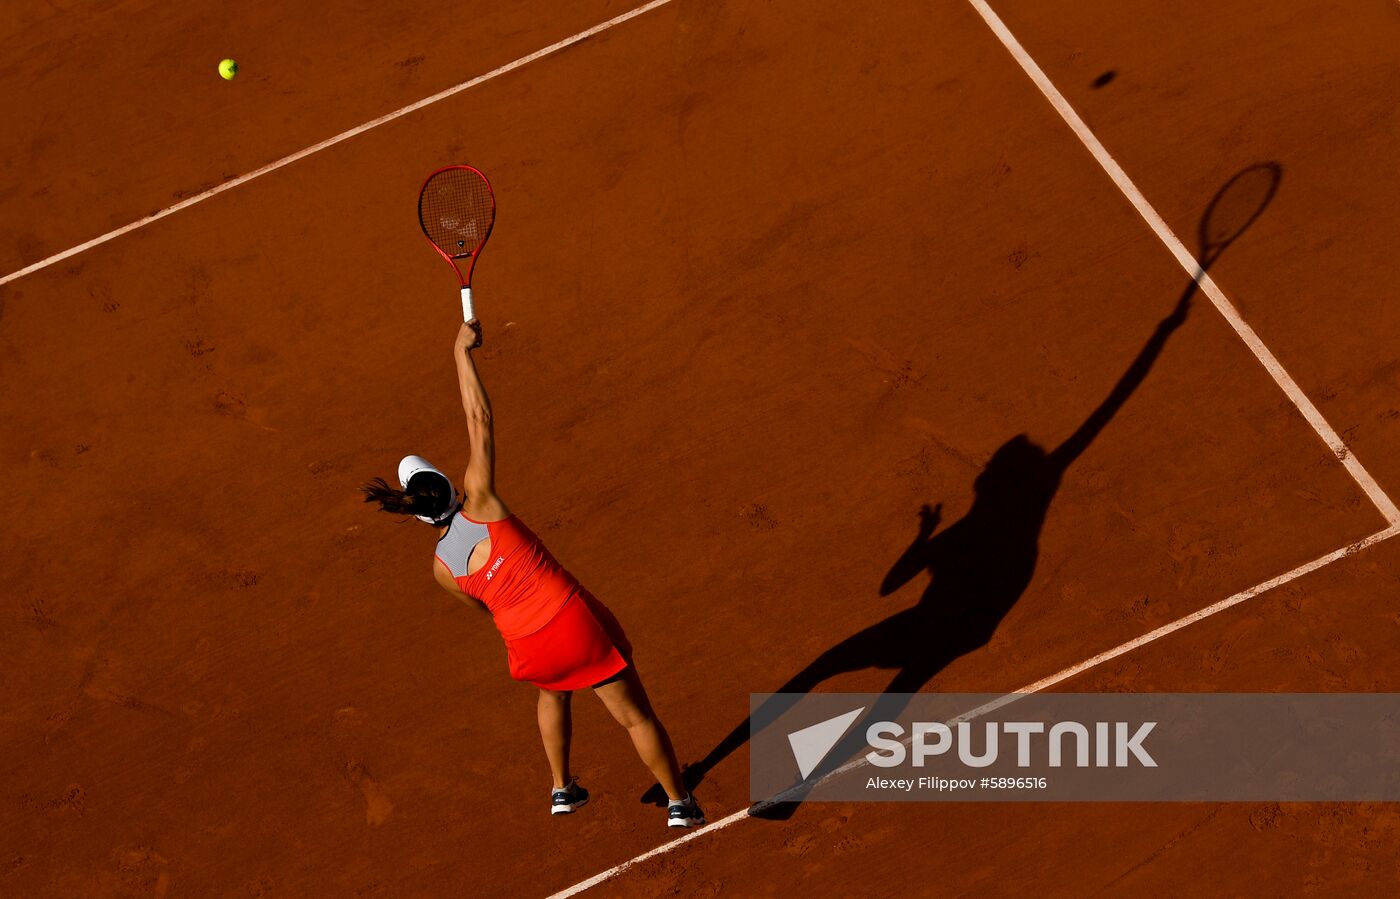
(1266, 358)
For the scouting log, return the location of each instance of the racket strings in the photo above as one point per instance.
(456, 211)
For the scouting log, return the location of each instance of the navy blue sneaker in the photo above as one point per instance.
(684, 813)
(568, 800)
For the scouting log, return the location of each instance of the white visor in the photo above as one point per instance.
(412, 465)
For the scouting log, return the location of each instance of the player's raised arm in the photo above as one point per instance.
(479, 482)
(918, 557)
(1065, 454)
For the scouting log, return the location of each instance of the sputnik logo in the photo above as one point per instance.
(811, 744)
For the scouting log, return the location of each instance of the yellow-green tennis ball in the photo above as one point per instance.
(228, 69)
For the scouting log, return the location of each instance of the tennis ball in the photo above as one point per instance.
(228, 69)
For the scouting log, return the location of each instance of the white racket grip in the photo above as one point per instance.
(468, 313)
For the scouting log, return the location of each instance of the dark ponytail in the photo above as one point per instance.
(428, 494)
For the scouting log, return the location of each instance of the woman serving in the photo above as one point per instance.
(558, 636)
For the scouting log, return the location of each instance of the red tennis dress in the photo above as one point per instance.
(557, 635)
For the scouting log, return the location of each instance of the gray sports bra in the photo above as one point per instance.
(455, 547)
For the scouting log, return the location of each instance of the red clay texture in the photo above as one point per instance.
(766, 280)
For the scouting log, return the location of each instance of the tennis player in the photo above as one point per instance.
(558, 636)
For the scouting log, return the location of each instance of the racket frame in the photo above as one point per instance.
(468, 310)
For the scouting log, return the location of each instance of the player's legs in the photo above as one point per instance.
(627, 700)
(556, 728)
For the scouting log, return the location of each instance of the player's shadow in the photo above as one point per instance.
(980, 565)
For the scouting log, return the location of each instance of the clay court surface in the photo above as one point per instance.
(766, 279)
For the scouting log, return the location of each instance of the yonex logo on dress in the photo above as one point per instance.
(494, 566)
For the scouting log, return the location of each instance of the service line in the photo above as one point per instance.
(332, 141)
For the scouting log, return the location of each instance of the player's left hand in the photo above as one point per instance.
(929, 516)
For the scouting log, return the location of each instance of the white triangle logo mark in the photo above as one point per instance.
(811, 744)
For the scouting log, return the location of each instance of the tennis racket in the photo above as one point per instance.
(1235, 207)
(457, 209)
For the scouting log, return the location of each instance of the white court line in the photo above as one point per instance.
(332, 141)
(1040, 685)
(1188, 262)
(1251, 340)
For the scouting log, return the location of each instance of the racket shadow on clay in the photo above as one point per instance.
(980, 565)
